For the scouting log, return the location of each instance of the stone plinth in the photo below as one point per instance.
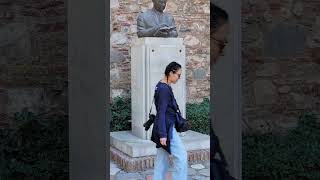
(133, 146)
(134, 154)
(149, 58)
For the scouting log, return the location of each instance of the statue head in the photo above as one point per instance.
(159, 5)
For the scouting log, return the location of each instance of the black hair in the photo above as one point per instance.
(218, 17)
(172, 67)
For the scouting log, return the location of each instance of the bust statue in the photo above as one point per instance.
(156, 23)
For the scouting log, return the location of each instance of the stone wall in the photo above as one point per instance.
(192, 20)
(281, 62)
(33, 56)
(281, 55)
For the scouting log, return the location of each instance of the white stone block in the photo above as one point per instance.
(149, 58)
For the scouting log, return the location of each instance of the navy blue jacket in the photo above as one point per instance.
(165, 118)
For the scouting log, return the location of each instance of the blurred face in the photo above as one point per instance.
(159, 5)
(218, 41)
(174, 76)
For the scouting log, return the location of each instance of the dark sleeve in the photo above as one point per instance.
(163, 101)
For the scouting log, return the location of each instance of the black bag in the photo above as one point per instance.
(149, 122)
(218, 167)
(181, 123)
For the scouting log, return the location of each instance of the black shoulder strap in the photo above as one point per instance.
(152, 101)
(151, 105)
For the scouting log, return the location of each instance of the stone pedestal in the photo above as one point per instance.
(134, 154)
(133, 150)
(149, 58)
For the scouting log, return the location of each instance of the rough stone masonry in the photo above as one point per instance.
(33, 56)
(280, 53)
(192, 20)
(281, 62)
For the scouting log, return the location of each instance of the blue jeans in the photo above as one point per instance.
(180, 160)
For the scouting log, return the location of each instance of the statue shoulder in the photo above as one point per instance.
(144, 13)
(141, 17)
(168, 15)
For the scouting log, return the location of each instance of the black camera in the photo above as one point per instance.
(150, 121)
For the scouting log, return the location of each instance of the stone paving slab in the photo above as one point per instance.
(193, 173)
(197, 166)
(205, 172)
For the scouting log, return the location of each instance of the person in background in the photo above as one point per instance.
(219, 30)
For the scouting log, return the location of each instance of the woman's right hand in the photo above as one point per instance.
(163, 141)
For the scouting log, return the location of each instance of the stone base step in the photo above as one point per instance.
(134, 146)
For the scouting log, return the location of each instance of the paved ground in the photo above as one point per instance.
(199, 171)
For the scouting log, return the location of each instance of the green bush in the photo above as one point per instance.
(199, 116)
(295, 155)
(36, 148)
(121, 114)
(197, 113)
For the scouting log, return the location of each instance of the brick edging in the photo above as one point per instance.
(131, 164)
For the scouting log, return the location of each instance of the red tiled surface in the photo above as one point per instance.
(150, 177)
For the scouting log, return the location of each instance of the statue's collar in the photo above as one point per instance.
(156, 11)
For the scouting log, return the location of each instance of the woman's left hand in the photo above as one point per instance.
(163, 141)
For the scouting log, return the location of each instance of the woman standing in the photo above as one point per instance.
(163, 133)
